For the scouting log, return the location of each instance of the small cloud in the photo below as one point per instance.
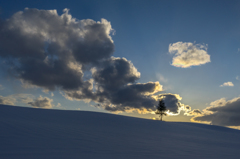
(194, 112)
(52, 94)
(14, 98)
(227, 84)
(9, 100)
(187, 54)
(238, 49)
(41, 102)
(237, 78)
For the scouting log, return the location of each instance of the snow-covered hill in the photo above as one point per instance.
(56, 134)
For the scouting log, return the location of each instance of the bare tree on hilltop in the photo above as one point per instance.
(161, 109)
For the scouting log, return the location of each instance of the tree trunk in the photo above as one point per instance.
(161, 115)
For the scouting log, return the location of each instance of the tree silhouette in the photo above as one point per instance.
(161, 109)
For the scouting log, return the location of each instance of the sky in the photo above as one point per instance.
(122, 57)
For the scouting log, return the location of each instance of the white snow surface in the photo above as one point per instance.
(28, 133)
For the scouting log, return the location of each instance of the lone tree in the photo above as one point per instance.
(161, 109)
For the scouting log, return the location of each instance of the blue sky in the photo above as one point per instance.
(143, 32)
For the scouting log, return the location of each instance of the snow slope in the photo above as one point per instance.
(55, 134)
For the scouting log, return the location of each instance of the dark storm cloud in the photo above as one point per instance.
(41, 102)
(115, 86)
(42, 45)
(128, 97)
(134, 96)
(115, 82)
(222, 112)
(172, 103)
(116, 73)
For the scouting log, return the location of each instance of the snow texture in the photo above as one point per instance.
(27, 133)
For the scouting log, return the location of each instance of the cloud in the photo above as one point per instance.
(28, 85)
(115, 73)
(7, 100)
(221, 112)
(134, 96)
(229, 84)
(194, 112)
(173, 104)
(237, 78)
(116, 89)
(187, 54)
(59, 52)
(41, 102)
(12, 99)
(50, 50)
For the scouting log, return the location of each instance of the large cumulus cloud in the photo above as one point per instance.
(116, 88)
(221, 112)
(187, 54)
(49, 50)
(44, 49)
